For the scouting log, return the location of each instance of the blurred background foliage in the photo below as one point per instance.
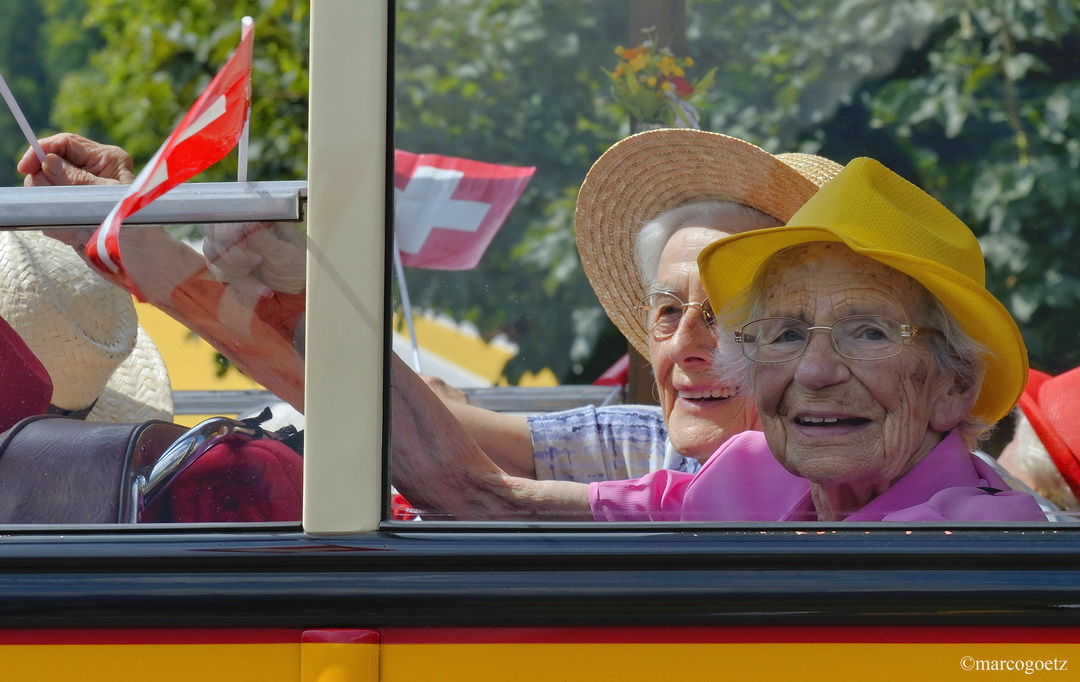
(977, 101)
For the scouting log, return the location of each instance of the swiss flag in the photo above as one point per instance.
(208, 132)
(448, 209)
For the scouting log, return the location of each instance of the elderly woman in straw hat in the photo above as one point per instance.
(646, 209)
(877, 359)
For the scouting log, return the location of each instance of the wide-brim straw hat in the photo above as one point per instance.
(878, 214)
(1051, 407)
(646, 174)
(84, 330)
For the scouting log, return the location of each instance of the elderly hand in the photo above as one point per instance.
(74, 160)
(272, 254)
(445, 391)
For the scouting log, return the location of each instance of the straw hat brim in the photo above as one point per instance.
(139, 389)
(644, 175)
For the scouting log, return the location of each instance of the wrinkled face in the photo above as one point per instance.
(837, 421)
(699, 411)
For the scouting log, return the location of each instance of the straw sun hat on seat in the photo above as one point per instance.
(647, 174)
(84, 330)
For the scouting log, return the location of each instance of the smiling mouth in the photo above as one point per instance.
(708, 395)
(831, 421)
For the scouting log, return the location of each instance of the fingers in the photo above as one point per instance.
(272, 253)
(284, 263)
(443, 389)
(29, 163)
(228, 255)
(74, 160)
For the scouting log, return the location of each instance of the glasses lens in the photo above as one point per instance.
(773, 339)
(660, 313)
(868, 337)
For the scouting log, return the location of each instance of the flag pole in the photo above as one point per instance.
(242, 164)
(242, 146)
(406, 306)
(24, 125)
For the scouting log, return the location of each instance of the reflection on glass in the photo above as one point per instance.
(699, 407)
(95, 409)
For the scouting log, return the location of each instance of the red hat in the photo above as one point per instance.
(1052, 406)
(27, 388)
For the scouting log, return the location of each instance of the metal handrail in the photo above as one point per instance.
(189, 203)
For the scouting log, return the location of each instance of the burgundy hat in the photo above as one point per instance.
(1052, 406)
(27, 388)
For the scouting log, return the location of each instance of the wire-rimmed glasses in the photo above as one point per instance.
(661, 312)
(858, 337)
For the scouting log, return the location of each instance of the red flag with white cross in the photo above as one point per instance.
(208, 132)
(448, 209)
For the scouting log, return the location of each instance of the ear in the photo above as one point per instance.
(952, 403)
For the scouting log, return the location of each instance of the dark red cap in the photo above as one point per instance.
(26, 385)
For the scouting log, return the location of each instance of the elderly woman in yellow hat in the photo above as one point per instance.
(877, 360)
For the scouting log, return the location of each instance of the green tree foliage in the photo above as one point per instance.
(975, 100)
(157, 57)
(25, 74)
(989, 119)
(516, 83)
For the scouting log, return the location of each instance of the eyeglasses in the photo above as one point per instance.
(859, 337)
(661, 313)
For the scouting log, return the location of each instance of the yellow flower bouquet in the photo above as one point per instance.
(649, 83)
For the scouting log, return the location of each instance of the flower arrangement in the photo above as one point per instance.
(649, 83)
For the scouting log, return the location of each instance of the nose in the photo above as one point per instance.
(693, 340)
(820, 364)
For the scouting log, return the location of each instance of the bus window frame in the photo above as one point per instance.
(349, 107)
(348, 569)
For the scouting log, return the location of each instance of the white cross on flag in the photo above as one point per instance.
(208, 132)
(447, 209)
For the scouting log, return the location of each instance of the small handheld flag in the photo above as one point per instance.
(448, 209)
(209, 131)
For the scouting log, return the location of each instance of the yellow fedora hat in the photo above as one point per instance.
(880, 215)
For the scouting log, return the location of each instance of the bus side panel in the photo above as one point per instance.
(183, 655)
(902, 653)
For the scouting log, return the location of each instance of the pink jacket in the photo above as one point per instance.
(742, 481)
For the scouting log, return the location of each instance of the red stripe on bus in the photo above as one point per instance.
(152, 636)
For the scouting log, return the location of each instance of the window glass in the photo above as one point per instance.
(195, 310)
(556, 299)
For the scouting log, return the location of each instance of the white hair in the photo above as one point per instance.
(726, 216)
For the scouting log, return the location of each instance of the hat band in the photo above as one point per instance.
(80, 413)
